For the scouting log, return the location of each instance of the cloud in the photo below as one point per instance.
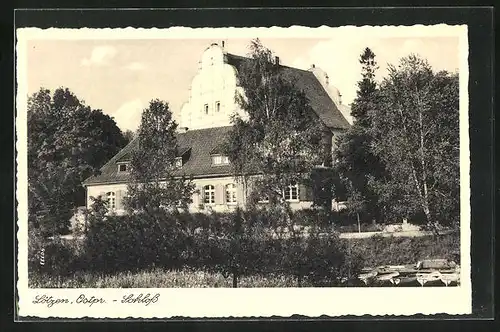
(128, 115)
(101, 55)
(135, 66)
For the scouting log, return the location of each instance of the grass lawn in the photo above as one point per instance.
(155, 278)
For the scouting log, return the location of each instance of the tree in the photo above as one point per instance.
(67, 142)
(415, 132)
(279, 139)
(356, 163)
(129, 135)
(154, 188)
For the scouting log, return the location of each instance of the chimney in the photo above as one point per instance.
(277, 60)
(183, 130)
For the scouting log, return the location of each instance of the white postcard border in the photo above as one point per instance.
(241, 302)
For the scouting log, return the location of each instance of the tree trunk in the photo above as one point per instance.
(425, 194)
(359, 225)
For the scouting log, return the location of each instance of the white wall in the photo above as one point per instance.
(120, 191)
(197, 205)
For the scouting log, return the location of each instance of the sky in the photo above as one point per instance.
(121, 76)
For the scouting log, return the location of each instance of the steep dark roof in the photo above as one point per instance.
(202, 143)
(199, 163)
(305, 80)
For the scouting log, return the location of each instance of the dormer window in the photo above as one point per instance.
(178, 162)
(220, 160)
(206, 108)
(217, 106)
(123, 168)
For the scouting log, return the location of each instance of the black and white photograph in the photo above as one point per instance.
(163, 170)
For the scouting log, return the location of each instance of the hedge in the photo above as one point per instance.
(239, 244)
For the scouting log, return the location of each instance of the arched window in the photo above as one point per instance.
(209, 194)
(111, 198)
(231, 193)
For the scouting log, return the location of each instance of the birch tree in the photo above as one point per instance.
(416, 134)
(280, 138)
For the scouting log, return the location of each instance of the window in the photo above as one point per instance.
(220, 160)
(231, 193)
(206, 108)
(122, 168)
(217, 106)
(209, 194)
(291, 193)
(111, 199)
(178, 162)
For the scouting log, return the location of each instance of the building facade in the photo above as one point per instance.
(205, 122)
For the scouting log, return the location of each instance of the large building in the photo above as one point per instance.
(204, 124)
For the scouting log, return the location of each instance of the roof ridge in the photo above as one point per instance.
(284, 66)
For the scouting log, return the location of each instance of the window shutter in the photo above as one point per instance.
(119, 199)
(219, 189)
(223, 194)
(198, 198)
(240, 190)
(305, 193)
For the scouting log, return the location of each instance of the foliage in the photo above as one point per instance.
(154, 188)
(236, 244)
(279, 137)
(415, 131)
(355, 161)
(67, 142)
(129, 135)
(51, 256)
(378, 250)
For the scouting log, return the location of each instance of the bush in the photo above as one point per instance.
(51, 256)
(319, 258)
(242, 243)
(136, 241)
(378, 250)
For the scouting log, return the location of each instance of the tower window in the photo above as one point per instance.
(206, 108)
(217, 106)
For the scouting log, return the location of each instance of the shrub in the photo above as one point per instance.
(136, 241)
(36, 250)
(51, 256)
(236, 244)
(319, 258)
(378, 250)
